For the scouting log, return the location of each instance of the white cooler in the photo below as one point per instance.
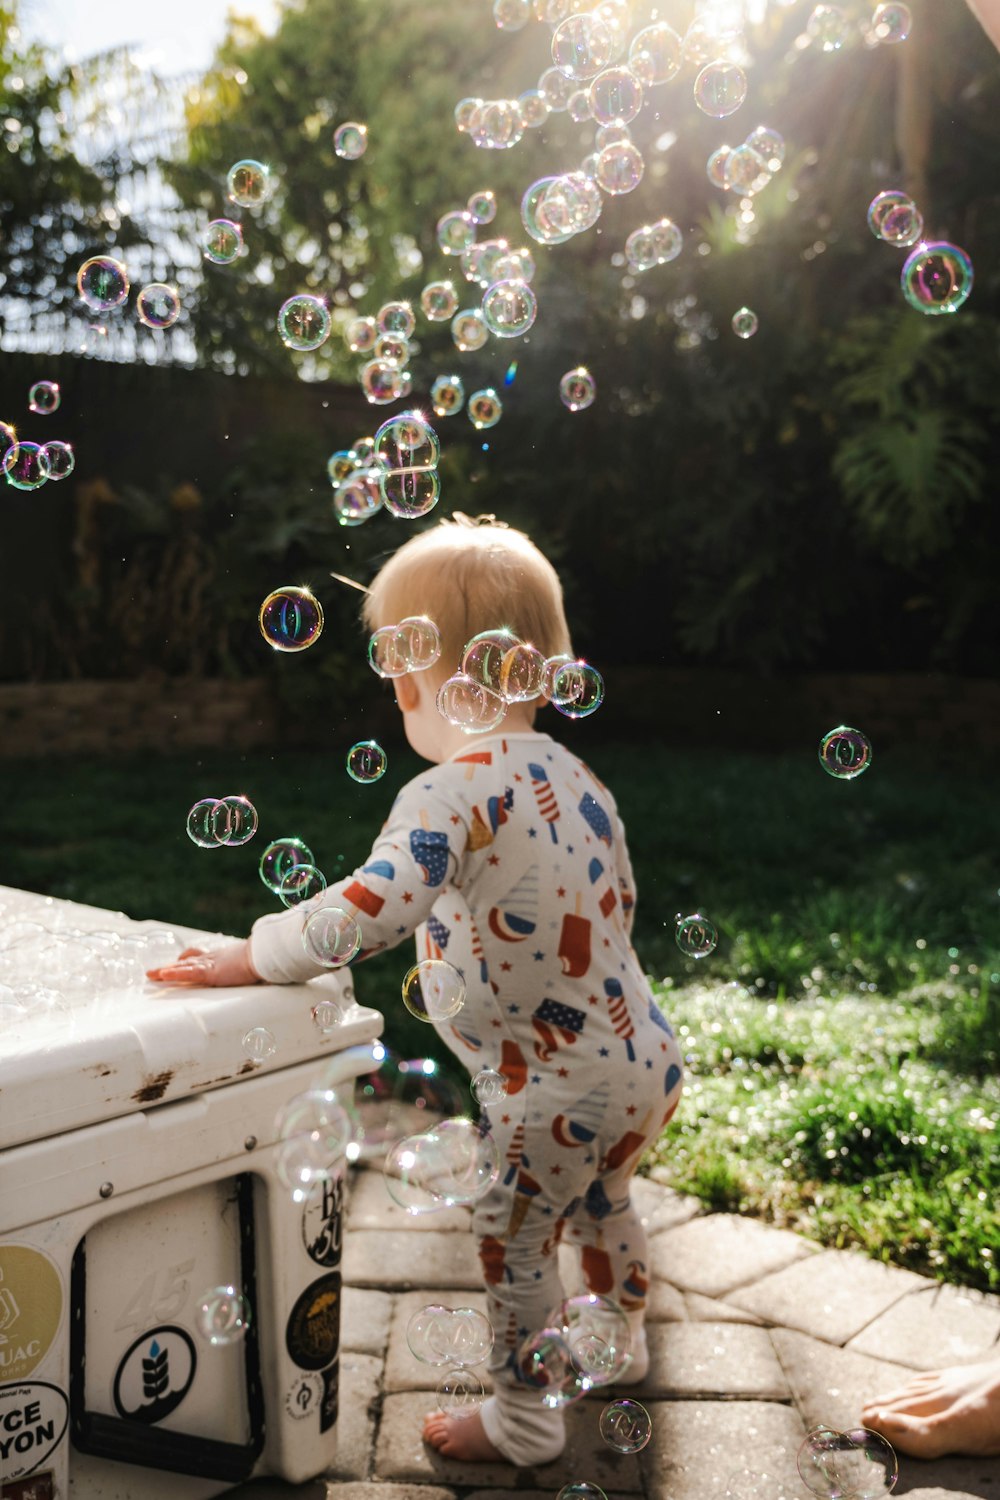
(137, 1172)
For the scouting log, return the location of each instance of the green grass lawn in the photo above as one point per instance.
(842, 1040)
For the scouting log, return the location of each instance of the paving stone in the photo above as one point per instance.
(664, 1303)
(946, 1479)
(832, 1295)
(940, 1325)
(402, 1455)
(661, 1207)
(715, 1253)
(403, 1372)
(830, 1385)
(360, 1379)
(373, 1489)
(697, 1445)
(715, 1310)
(370, 1207)
(712, 1359)
(400, 1258)
(365, 1319)
(278, 1489)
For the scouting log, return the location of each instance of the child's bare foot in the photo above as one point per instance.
(460, 1437)
(944, 1411)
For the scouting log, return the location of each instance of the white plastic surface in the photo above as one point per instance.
(85, 1039)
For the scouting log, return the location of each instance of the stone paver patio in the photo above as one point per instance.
(755, 1336)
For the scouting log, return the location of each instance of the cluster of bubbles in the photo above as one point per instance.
(830, 27)
(314, 1130)
(452, 1163)
(453, 1339)
(288, 869)
(747, 169)
(25, 465)
(398, 1097)
(103, 284)
(354, 477)
(411, 646)
(214, 823)
(384, 341)
(498, 669)
(291, 618)
(249, 184)
(853, 1465)
(696, 936)
(222, 1316)
(585, 1344)
(937, 276)
(405, 458)
(653, 245)
(845, 752)
(366, 762)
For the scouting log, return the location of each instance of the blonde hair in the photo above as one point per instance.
(470, 576)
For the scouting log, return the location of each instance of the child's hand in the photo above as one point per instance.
(223, 966)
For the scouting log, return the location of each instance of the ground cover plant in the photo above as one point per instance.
(842, 1041)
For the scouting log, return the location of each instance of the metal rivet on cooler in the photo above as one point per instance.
(107, 1188)
(250, 1143)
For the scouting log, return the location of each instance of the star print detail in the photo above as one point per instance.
(455, 818)
(564, 1072)
(532, 833)
(555, 1171)
(505, 967)
(604, 1052)
(538, 956)
(593, 1000)
(561, 892)
(536, 1078)
(407, 897)
(494, 859)
(630, 1110)
(513, 1010)
(649, 1062)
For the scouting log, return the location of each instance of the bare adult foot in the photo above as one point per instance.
(943, 1411)
(460, 1437)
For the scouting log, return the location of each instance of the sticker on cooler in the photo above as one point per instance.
(304, 1397)
(33, 1419)
(312, 1334)
(154, 1375)
(31, 1303)
(322, 1222)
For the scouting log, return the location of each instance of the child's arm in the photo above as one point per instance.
(417, 854)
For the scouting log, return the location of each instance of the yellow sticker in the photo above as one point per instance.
(31, 1303)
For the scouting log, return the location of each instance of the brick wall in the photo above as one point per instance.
(680, 707)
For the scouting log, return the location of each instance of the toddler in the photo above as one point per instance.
(508, 859)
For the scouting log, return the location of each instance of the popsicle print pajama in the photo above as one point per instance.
(509, 861)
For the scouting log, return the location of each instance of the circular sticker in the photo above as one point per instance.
(322, 1221)
(312, 1336)
(33, 1419)
(154, 1375)
(31, 1303)
(305, 1396)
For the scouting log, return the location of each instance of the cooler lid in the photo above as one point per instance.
(85, 1038)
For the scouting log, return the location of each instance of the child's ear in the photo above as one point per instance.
(407, 693)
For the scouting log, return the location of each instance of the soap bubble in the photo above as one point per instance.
(328, 1015)
(387, 654)
(455, 231)
(366, 761)
(468, 330)
(406, 441)
(937, 278)
(745, 323)
(455, 1162)
(158, 305)
(483, 657)
(653, 245)
(892, 23)
(465, 111)
(770, 144)
(381, 381)
(482, 207)
(44, 397)
(341, 463)
(330, 936)
(545, 1364)
(248, 183)
(291, 619)
(259, 1044)
(315, 1111)
(199, 823)
(509, 308)
(894, 217)
(485, 408)
(459, 1392)
(422, 1337)
(301, 884)
(720, 89)
(845, 752)
(279, 858)
(534, 108)
(654, 54)
(597, 1332)
(420, 641)
(303, 322)
(626, 1426)
(221, 242)
(542, 225)
(522, 673)
(222, 1315)
(396, 317)
(233, 821)
(25, 466)
(459, 1336)
(409, 492)
(350, 140)
(102, 283)
(360, 335)
(60, 458)
(399, 1096)
(829, 26)
(556, 89)
(581, 1491)
(469, 705)
(619, 168)
(576, 690)
(582, 45)
(358, 497)
(392, 349)
(615, 96)
(447, 395)
(578, 389)
(746, 170)
(853, 1465)
(433, 990)
(497, 124)
(715, 167)
(696, 935)
(438, 301)
(488, 1086)
(511, 15)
